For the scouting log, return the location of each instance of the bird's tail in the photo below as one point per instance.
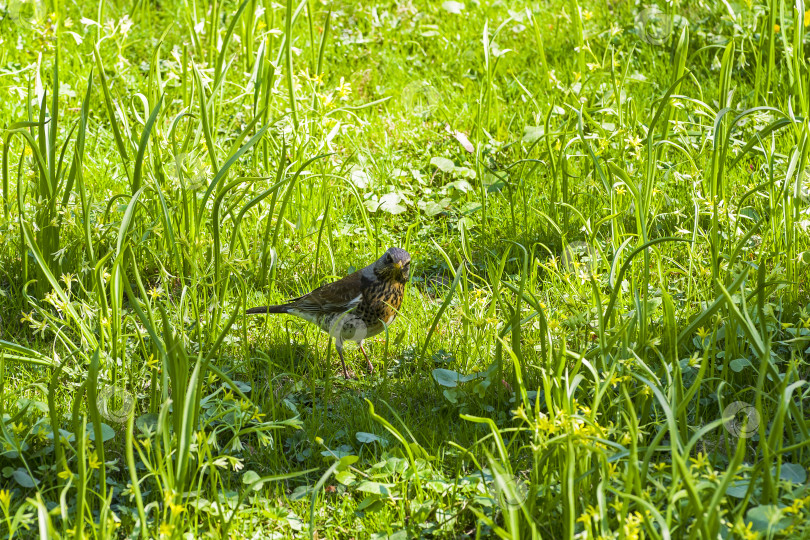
(268, 309)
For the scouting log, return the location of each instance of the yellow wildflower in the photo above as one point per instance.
(5, 498)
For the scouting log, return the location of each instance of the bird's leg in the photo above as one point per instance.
(370, 366)
(339, 347)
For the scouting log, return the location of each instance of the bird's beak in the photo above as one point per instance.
(399, 265)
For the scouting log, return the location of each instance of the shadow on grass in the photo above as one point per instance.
(335, 414)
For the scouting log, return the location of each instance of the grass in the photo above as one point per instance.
(606, 330)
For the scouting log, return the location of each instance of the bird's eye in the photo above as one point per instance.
(388, 258)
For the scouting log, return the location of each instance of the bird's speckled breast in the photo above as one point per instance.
(381, 301)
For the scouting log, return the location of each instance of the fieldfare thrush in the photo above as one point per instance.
(356, 307)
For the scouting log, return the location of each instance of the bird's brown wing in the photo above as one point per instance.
(336, 297)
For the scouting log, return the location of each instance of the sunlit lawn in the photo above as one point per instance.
(606, 331)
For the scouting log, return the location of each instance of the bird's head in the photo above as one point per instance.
(395, 264)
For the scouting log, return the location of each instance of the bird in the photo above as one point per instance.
(356, 307)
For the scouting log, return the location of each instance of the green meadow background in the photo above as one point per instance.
(606, 333)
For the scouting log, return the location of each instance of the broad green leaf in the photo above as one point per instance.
(793, 472)
(346, 461)
(443, 164)
(377, 488)
(447, 377)
(390, 203)
(370, 504)
(464, 172)
(433, 208)
(22, 477)
(107, 432)
(367, 438)
(737, 489)
(340, 454)
(738, 364)
(461, 185)
(248, 477)
(25, 402)
(767, 518)
(244, 387)
(345, 477)
(360, 179)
